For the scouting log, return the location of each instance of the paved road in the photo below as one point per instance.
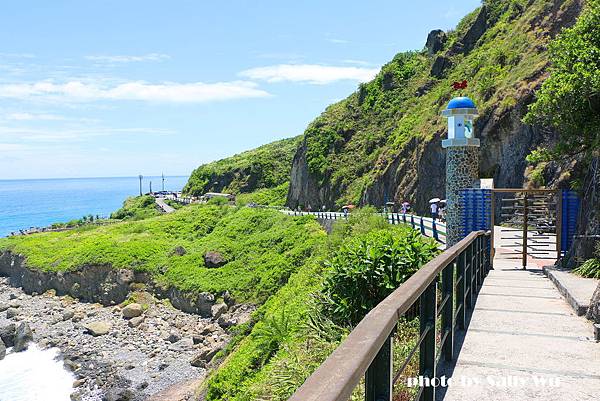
(162, 204)
(524, 333)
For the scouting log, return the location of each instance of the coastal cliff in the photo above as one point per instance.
(382, 143)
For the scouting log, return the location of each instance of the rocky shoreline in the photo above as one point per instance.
(128, 352)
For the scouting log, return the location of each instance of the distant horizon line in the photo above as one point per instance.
(90, 178)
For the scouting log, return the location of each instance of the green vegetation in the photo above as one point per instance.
(296, 330)
(136, 208)
(591, 267)
(263, 248)
(265, 167)
(353, 142)
(569, 100)
(369, 268)
(266, 196)
(85, 220)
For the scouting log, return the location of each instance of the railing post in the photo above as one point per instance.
(422, 227)
(412, 221)
(428, 313)
(488, 253)
(448, 311)
(379, 375)
(469, 276)
(460, 291)
(477, 263)
(404, 217)
(435, 233)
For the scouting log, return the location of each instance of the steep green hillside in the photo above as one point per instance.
(383, 141)
(265, 167)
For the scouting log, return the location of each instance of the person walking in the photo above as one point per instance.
(434, 210)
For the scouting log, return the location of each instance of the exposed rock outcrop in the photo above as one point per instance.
(23, 336)
(214, 259)
(435, 41)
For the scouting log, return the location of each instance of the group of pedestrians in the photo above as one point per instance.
(438, 209)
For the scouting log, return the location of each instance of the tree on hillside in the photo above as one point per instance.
(569, 102)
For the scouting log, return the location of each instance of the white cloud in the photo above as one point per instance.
(311, 73)
(34, 117)
(11, 147)
(113, 59)
(27, 134)
(195, 92)
(338, 41)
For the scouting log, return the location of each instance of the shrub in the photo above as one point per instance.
(591, 267)
(369, 268)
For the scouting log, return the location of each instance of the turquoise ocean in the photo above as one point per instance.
(41, 202)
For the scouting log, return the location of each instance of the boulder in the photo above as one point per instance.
(97, 328)
(132, 310)
(3, 306)
(435, 41)
(23, 336)
(12, 312)
(118, 394)
(214, 259)
(205, 355)
(136, 321)
(2, 350)
(68, 314)
(173, 337)
(7, 334)
(218, 309)
(179, 251)
(593, 312)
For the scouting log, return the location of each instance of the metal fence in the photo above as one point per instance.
(444, 290)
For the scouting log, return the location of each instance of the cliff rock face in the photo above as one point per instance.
(383, 143)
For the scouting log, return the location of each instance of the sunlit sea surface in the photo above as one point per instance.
(38, 203)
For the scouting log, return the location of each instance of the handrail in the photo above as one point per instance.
(341, 372)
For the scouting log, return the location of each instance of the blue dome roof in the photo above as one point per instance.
(461, 103)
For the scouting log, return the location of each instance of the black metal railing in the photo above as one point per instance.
(443, 290)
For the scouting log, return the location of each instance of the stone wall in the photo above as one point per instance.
(462, 172)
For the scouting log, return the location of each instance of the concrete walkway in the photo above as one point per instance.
(163, 205)
(524, 342)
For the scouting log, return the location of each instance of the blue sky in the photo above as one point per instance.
(118, 88)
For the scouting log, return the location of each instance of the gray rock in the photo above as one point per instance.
(440, 65)
(2, 350)
(97, 328)
(12, 312)
(173, 337)
(3, 307)
(7, 334)
(179, 251)
(118, 394)
(218, 309)
(204, 356)
(136, 321)
(132, 310)
(23, 336)
(435, 41)
(68, 314)
(214, 259)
